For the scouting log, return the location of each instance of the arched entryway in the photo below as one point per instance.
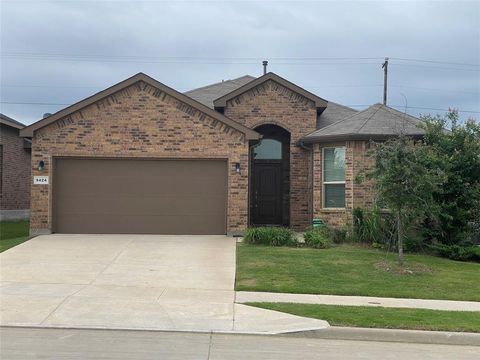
(270, 177)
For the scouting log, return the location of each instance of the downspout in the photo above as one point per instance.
(302, 145)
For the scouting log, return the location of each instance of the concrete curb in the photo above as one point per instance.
(152, 329)
(391, 335)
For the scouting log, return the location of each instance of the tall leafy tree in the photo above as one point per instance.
(457, 152)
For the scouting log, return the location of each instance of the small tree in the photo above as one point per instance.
(406, 181)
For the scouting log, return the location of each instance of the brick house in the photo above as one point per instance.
(140, 157)
(15, 165)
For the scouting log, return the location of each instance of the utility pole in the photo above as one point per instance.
(385, 74)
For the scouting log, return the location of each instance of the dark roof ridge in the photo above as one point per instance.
(369, 118)
(402, 116)
(220, 82)
(339, 121)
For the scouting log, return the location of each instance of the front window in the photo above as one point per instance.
(268, 149)
(334, 177)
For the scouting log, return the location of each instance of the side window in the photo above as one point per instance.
(334, 177)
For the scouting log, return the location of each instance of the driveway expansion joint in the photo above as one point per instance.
(60, 304)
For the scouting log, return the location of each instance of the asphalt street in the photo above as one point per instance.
(44, 343)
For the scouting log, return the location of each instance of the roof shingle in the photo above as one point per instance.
(376, 122)
(4, 119)
(333, 113)
(207, 94)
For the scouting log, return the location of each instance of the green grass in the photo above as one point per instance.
(352, 270)
(12, 233)
(380, 317)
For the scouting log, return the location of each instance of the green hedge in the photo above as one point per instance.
(457, 252)
(318, 238)
(272, 236)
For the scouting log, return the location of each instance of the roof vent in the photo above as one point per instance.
(265, 64)
(46, 115)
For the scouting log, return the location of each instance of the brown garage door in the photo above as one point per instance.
(139, 196)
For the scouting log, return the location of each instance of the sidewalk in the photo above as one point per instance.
(247, 296)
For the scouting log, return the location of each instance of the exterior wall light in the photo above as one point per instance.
(41, 165)
(237, 168)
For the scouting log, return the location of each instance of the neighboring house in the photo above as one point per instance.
(14, 171)
(140, 157)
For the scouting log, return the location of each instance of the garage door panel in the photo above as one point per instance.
(140, 196)
(142, 224)
(131, 205)
(138, 186)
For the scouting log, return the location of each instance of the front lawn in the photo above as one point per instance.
(380, 317)
(352, 270)
(12, 233)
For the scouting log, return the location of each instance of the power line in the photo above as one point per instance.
(192, 62)
(50, 86)
(434, 89)
(435, 67)
(309, 87)
(31, 103)
(180, 57)
(166, 1)
(435, 62)
(99, 86)
(352, 105)
(417, 107)
(226, 61)
(217, 58)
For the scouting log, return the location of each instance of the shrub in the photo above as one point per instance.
(474, 237)
(415, 240)
(457, 252)
(318, 238)
(339, 236)
(272, 236)
(371, 227)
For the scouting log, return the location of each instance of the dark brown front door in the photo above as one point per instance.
(267, 193)
(127, 196)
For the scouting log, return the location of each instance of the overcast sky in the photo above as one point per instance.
(56, 53)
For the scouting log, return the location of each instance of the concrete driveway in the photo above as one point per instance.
(157, 282)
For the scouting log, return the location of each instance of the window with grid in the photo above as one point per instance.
(334, 177)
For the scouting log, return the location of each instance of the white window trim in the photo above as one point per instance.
(330, 182)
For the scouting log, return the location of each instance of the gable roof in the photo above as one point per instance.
(29, 130)
(333, 113)
(207, 94)
(222, 101)
(374, 123)
(5, 120)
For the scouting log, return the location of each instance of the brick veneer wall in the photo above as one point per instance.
(272, 103)
(140, 122)
(15, 171)
(359, 191)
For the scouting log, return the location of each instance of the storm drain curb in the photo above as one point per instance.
(390, 335)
